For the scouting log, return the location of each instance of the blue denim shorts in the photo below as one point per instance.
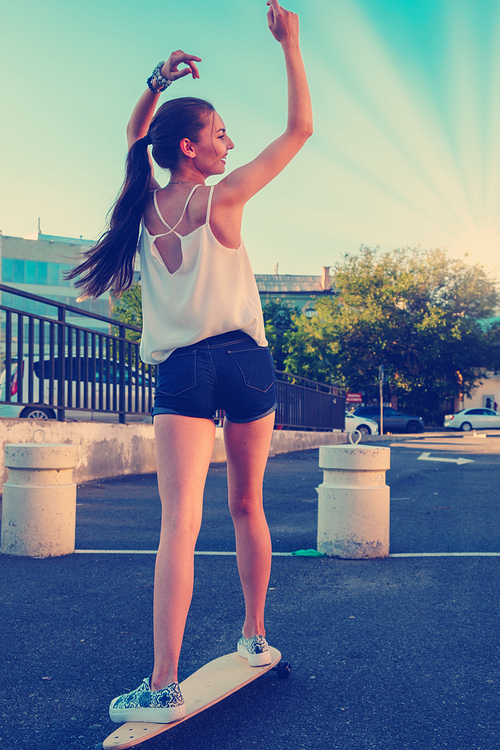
(229, 372)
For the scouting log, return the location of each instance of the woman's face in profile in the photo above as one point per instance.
(212, 147)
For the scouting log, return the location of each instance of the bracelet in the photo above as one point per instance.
(156, 75)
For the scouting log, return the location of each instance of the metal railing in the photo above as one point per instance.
(307, 405)
(68, 362)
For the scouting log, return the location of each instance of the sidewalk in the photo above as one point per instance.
(397, 653)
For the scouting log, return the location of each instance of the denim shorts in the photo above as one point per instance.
(229, 372)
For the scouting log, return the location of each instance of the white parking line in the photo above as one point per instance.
(154, 551)
(445, 554)
(279, 554)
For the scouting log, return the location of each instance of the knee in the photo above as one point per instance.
(181, 525)
(246, 507)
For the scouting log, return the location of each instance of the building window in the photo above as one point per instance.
(18, 271)
(63, 267)
(41, 273)
(30, 271)
(53, 274)
(38, 272)
(7, 269)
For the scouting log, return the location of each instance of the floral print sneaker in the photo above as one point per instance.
(144, 704)
(254, 649)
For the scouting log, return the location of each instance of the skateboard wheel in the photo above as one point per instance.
(284, 668)
(99, 746)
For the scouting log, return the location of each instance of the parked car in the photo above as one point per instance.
(362, 424)
(394, 421)
(472, 419)
(100, 389)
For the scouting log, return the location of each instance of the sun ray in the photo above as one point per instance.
(426, 137)
(386, 123)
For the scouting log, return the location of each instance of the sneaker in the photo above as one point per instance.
(143, 704)
(254, 649)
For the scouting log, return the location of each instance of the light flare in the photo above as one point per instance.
(423, 149)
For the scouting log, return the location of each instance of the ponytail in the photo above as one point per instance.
(109, 264)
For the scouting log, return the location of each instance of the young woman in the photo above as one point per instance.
(203, 325)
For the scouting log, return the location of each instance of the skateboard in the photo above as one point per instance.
(212, 683)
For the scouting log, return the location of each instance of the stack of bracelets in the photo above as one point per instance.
(163, 83)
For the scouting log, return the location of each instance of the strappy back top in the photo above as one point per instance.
(212, 292)
(171, 230)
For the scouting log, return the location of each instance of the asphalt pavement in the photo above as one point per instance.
(395, 653)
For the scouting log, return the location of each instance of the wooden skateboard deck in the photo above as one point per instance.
(212, 683)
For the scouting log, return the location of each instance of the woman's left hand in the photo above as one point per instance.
(282, 23)
(170, 69)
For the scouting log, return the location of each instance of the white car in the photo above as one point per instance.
(361, 424)
(478, 418)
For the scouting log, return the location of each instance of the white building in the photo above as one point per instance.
(36, 264)
(487, 394)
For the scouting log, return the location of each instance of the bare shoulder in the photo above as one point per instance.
(227, 195)
(226, 215)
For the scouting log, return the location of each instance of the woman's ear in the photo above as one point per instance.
(187, 148)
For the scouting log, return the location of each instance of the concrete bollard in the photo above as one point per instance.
(353, 502)
(39, 500)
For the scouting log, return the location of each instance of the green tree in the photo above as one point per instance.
(279, 325)
(419, 313)
(128, 309)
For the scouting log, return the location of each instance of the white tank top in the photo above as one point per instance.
(212, 292)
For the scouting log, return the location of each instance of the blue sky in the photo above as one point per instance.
(406, 148)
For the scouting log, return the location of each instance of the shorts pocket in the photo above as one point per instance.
(177, 374)
(256, 367)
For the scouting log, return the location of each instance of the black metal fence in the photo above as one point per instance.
(61, 362)
(307, 405)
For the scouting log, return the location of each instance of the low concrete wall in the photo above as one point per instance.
(110, 450)
(286, 441)
(104, 449)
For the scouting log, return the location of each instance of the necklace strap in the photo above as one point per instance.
(181, 182)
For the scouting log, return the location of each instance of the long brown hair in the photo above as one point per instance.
(109, 264)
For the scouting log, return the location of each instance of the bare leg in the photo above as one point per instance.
(247, 449)
(184, 448)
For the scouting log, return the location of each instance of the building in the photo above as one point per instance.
(486, 394)
(36, 264)
(298, 291)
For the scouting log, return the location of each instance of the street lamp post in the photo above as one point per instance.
(381, 396)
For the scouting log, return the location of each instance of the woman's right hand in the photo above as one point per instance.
(282, 23)
(170, 69)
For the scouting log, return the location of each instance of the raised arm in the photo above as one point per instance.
(145, 108)
(239, 186)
